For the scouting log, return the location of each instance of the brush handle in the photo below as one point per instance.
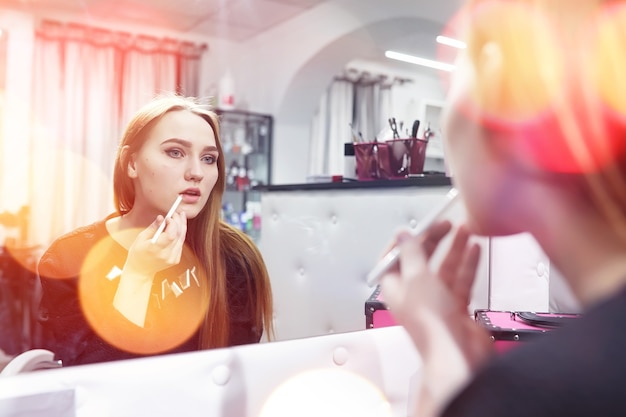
(392, 256)
(416, 126)
(167, 216)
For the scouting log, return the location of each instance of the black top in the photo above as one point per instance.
(79, 275)
(575, 371)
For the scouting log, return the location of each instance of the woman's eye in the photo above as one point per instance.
(174, 153)
(209, 159)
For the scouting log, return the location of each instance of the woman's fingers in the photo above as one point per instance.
(168, 247)
(394, 283)
(452, 261)
(466, 274)
(433, 235)
(413, 258)
(458, 268)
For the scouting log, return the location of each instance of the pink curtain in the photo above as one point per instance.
(87, 83)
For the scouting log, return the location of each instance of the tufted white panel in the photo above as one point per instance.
(240, 381)
(562, 299)
(520, 273)
(522, 278)
(320, 244)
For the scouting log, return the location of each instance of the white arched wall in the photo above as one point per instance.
(284, 71)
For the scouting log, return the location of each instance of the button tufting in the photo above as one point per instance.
(340, 356)
(221, 375)
(541, 269)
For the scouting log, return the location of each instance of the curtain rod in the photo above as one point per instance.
(53, 29)
(355, 76)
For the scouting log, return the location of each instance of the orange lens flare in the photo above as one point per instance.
(548, 88)
(176, 308)
(607, 60)
(518, 66)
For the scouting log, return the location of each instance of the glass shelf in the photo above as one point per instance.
(247, 143)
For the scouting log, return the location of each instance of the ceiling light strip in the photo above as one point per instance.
(419, 61)
(455, 43)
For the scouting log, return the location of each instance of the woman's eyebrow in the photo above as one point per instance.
(188, 144)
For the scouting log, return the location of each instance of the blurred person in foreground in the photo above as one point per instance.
(535, 134)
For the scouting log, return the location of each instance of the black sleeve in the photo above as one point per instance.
(65, 329)
(576, 371)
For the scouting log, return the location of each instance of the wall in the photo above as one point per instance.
(294, 62)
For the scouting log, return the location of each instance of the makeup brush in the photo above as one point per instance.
(167, 216)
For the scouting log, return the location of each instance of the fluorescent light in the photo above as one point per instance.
(455, 43)
(419, 61)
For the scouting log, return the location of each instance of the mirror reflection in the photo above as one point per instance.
(290, 83)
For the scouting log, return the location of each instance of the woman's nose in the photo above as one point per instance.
(194, 172)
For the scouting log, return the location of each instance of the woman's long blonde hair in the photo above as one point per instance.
(211, 239)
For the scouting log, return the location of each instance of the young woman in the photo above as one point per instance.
(536, 138)
(113, 290)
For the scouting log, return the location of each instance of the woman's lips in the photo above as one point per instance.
(190, 198)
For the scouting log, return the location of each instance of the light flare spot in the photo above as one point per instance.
(326, 392)
(173, 316)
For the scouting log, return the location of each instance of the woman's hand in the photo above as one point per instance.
(144, 260)
(147, 258)
(433, 307)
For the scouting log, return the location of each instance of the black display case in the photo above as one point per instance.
(247, 144)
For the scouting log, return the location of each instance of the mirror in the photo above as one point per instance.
(281, 56)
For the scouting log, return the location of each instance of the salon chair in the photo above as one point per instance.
(31, 360)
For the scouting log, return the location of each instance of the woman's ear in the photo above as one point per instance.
(128, 160)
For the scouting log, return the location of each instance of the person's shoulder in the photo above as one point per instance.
(72, 246)
(81, 235)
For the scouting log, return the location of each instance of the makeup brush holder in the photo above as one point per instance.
(372, 160)
(406, 156)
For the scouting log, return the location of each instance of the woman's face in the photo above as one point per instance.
(481, 175)
(179, 156)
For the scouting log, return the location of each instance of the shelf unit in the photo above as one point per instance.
(247, 144)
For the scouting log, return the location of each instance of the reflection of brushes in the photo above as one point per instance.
(428, 133)
(415, 128)
(355, 135)
(167, 216)
(394, 127)
(392, 257)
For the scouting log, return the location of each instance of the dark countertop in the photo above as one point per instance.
(434, 180)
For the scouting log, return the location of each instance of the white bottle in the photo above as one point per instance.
(227, 92)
